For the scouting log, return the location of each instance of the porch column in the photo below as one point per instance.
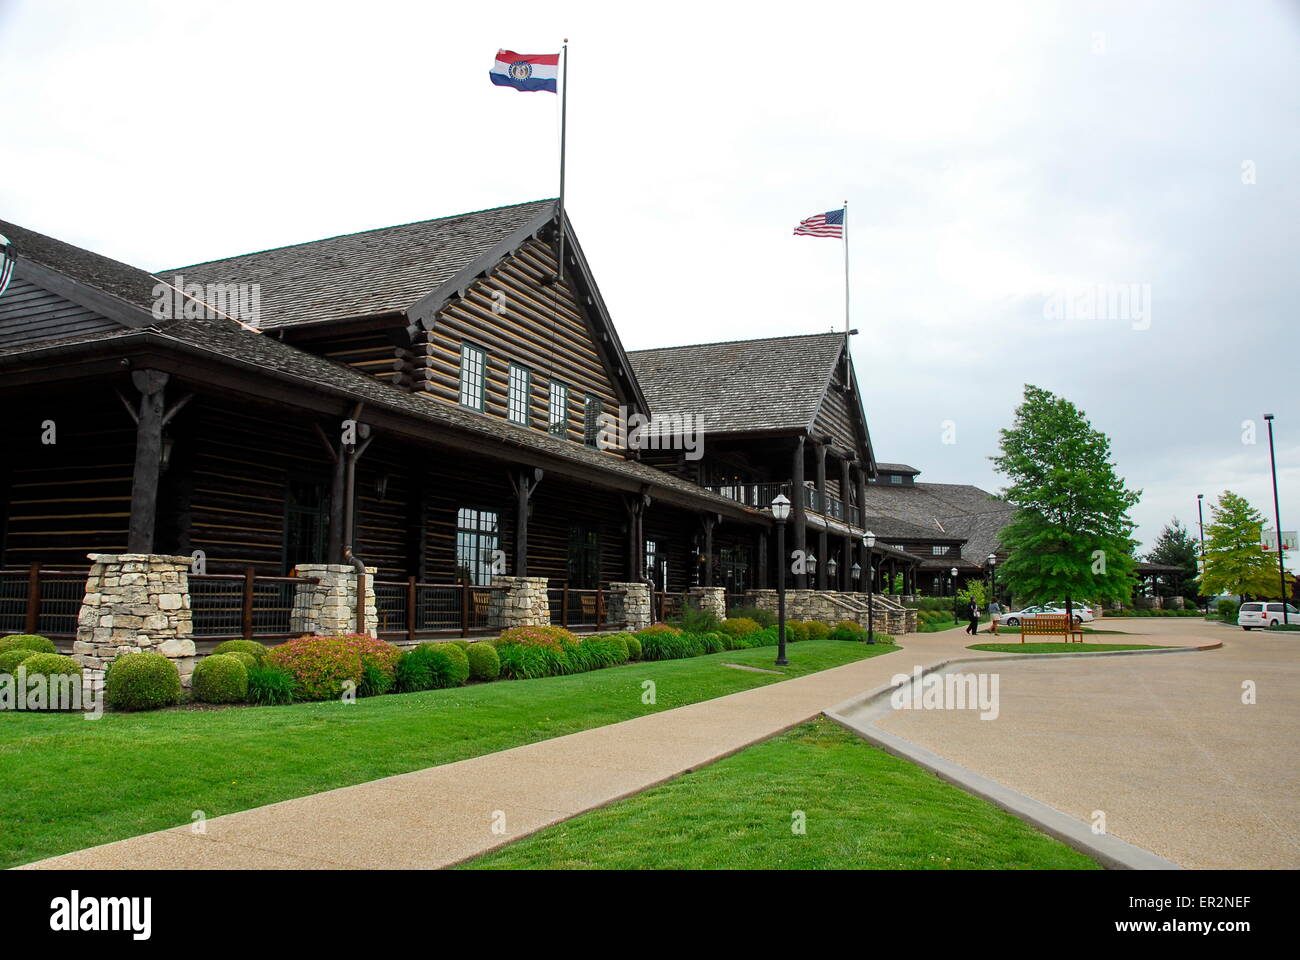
(708, 521)
(822, 540)
(524, 482)
(798, 513)
(760, 572)
(148, 459)
(636, 505)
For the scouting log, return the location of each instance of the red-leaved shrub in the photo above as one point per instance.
(554, 638)
(321, 665)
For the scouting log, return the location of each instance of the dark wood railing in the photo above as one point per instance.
(760, 497)
(35, 599)
(410, 610)
(230, 605)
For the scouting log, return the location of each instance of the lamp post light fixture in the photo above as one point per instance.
(1277, 518)
(780, 513)
(953, 574)
(869, 541)
(831, 567)
(993, 577)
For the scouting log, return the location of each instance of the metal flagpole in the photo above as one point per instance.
(564, 116)
(846, 293)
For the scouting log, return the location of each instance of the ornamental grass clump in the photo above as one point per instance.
(270, 686)
(322, 666)
(142, 681)
(524, 661)
(220, 678)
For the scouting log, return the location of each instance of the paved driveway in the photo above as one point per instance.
(1163, 744)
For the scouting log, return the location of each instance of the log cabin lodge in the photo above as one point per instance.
(428, 398)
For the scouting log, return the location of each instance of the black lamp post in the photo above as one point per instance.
(780, 511)
(869, 541)
(1277, 518)
(993, 577)
(955, 617)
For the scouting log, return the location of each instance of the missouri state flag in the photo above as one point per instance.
(526, 71)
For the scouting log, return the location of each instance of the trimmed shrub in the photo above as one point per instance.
(817, 630)
(142, 681)
(621, 639)
(270, 686)
(549, 636)
(26, 641)
(670, 646)
(463, 644)
(322, 665)
(448, 664)
(713, 642)
(738, 627)
(220, 678)
(633, 647)
(247, 659)
(656, 630)
(795, 631)
(520, 661)
(848, 630)
(251, 647)
(59, 683)
(764, 618)
(10, 659)
(593, 653)
(484, 664)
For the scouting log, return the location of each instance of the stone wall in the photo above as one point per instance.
(518, 602)
(629, 604)
(329, 606)
(832, 606)
(136, 602)
(709, 600)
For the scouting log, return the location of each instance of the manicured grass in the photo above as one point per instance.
(1061, 647)
(863, 808)
(70, 783)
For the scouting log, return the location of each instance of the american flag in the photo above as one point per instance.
(828, 224)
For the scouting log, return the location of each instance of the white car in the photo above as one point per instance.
(1257, 614)
(1082, 614)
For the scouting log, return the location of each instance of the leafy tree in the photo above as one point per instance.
(1176, 547)
(976, 590)
(1071, 533)
(1234, 563)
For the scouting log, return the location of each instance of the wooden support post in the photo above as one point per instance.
(524, 482)
(148, 459)
(822, 539)
(33, 622)
(464, 609)
(708, 522)
(761, 574)
(599, 598)
(410, 609)
(246, 607)
(564, 605)
(798, 513)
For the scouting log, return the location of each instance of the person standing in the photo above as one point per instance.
(973, 615)
(995, 611)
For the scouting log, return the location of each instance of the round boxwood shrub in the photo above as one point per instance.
(633, 647)
(26, 641)
(432, 666)
(220, 678)
(817, 630)
(848, 630)
(713, 642)
(251, 647)
(738, 627)
(247, 659)
(54, 693)
(795, 631)
(142, 681)
(464, 644)
(10, 659)
(323, 665)
(484, 663)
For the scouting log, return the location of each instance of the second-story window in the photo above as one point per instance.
(473, 367)
(895, 478)
(939, 551)
(591, 411)
(558, 411)
(521, 381)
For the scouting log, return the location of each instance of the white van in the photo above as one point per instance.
(1256, 614)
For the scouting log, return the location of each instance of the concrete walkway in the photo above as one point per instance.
(445, 814)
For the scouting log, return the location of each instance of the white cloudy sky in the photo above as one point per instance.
(992, 154)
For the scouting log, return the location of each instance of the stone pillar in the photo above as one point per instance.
(328, 607)
(629, 604)
(762, 599)
(136, 602)
(518, 602)
(709, 599)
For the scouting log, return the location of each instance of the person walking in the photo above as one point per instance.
(995, 611)
(973, 614)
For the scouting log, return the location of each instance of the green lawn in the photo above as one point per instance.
(863, 808)
(70, 783)
(1060, 647)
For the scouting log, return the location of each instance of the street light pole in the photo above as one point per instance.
(1277, 518)
(955, 618)
(780, 510)
(1200, 522)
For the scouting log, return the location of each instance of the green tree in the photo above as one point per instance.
(1234, 563)
(1176, 547)
(1071, 534)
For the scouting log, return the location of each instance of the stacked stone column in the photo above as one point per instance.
(708, 600)
(136, 602)
(518, 602)
(328, 607)
(629, 604)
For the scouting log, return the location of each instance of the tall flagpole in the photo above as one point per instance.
(564, 116)
(846, 294)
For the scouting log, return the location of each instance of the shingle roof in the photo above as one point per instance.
(740, 386)
(896, 468)
(129, 284)
(368, 273)
(946, 510)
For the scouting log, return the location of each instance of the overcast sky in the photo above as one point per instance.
(997, 158)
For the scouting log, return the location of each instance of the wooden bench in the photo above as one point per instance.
(1050, 625)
